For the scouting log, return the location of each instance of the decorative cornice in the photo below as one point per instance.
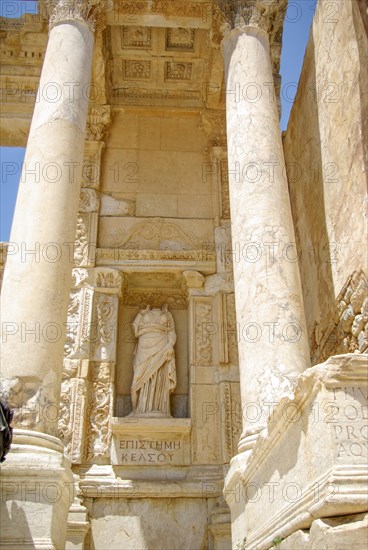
(168, 8)
(63, 11)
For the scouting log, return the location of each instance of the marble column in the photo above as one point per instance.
(273, 347)
(37, 481)
(37, 276)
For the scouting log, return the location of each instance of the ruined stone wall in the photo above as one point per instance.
(326, 155)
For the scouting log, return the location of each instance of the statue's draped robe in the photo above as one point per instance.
(154, 362)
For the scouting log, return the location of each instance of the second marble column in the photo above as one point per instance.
(273, 347)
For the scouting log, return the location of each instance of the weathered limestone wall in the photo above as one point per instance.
(326, 155)
(163, 216)
(150, 523)
(153, 162)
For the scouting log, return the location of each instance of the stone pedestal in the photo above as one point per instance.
(312, 463)
(37, 488)
(139, 441)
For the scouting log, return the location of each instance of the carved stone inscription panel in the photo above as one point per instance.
(346, 411)
(154, 451)
(150, 442)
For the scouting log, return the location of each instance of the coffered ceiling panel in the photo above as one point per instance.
(159, 66)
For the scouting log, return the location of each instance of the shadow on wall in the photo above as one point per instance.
(360, 20)
(14, 525)
(154, 523)
(304, 164)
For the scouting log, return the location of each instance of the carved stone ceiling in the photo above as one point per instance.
(159, 53)
(159, 66)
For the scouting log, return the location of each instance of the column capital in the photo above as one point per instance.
(66, 11)
(262, 14)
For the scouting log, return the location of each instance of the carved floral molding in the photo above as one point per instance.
(258, 13)
(63, 11)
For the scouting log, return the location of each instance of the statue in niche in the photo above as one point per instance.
(154, 362)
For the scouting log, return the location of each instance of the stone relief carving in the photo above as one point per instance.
(89, 201)
(85, 239)
(136, 37)
(157, 298)
(118, 255)
(347, 332)
(71, 339)
(241, 13)
(224, 249)
(92, 157)
(110, 279)
(159, 278)
(232, 329)
(145, 96)
(179, 8)
(105, 312)
(154, 362)
(79, 277)
(180, 39)
(137, 69)
(100, 411)
(217, 24)
(192, 280)
(71, 413)
(178, 71)
(63, 11)
(157, 234)
(214, 126)
(81, 240)
(98, 81)
(78, 328)
(203, 349)
(98, 120)
(225, 194)
(105, 327)
(227, 415)
(266, 14)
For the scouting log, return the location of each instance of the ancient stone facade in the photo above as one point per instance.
(154, 177)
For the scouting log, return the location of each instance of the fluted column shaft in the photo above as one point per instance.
(273, 347)
(37, 277)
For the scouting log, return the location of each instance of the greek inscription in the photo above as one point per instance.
(140, 444)
(142, 451)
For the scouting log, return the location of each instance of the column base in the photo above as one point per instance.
(310, 463)
(37, 489)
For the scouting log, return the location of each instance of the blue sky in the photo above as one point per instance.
(296, 31)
